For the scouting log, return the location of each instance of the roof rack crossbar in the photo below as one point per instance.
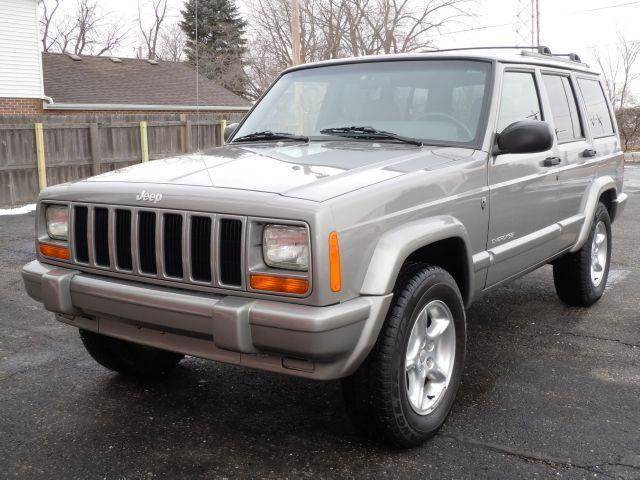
(574, 57)
(539, 48)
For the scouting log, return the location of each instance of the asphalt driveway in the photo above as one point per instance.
(548, 392)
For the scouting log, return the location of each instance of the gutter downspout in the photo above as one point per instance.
(51, 105)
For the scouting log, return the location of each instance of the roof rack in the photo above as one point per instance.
(538, 51)
(574, 57)
(541, 49)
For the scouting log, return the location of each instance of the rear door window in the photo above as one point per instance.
(519, 99)
(598, 114)
(563, 108)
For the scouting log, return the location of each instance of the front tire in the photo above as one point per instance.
(404, 390)
(128, 359)
(580, 278)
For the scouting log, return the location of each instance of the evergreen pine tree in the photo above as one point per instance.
(220, 43)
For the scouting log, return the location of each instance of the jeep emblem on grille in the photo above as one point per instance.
(149, 197)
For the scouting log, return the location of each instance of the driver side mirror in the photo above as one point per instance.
(526, 136)
(229, 130)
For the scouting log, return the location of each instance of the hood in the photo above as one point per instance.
(316, 171)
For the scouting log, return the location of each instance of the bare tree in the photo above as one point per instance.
(151, 34)
(84, 31)
(619, 70)
(342, 28)
(49, 9)
(171, 43)
(92, 32)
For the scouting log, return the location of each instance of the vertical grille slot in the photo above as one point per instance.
(147, 242)
(173, 245)
(81, 243)
(101, 236)
(201, 248)
(230, 260)
(123, 240)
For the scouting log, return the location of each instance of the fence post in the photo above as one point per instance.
(144, 143)
(94, 142)
(185, 133)
(223, 126)
(42, 166)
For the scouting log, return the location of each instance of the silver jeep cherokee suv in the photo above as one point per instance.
(340, 233)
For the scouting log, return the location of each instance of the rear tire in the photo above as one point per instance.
(581, 277)
(128, 358)
(404, 390)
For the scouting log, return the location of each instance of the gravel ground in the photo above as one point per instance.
(548, 392)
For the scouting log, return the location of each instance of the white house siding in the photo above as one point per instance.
(20, 60)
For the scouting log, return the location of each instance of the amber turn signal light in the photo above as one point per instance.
(335, 269)
(54, 251)
(270, 283)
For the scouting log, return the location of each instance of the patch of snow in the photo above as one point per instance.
(18, 210)
(616, 276)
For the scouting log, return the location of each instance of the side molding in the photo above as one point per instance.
(589, 205)
(396, 245)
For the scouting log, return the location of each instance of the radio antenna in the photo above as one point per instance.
(197, 86)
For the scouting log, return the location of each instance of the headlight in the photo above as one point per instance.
(58, 222)
(285, 246)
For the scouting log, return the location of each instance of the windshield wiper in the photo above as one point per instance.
(268, 135)
(369, 133)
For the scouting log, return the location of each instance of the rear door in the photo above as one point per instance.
(573, 148)
(523, 206)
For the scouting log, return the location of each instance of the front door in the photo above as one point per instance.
(523, 207)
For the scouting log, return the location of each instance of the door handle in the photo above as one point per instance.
(589, 152)
(551, 161)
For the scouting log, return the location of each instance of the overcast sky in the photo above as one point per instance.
(566, 25)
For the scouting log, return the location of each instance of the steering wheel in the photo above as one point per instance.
(450, 119)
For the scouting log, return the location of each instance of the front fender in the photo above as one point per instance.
(395, 246)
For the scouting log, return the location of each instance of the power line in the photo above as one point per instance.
(485, 27)
(568, 14)
(603, 8)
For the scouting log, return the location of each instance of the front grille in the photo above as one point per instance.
(201, 249)
(81, 242)
(169, 245)
(147, 242)
(173, 245)
(123, 240)
(230, 251)
(101, 236)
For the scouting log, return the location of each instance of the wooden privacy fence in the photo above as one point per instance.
(50, 150)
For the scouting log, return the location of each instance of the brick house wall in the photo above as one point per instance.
(20, 106)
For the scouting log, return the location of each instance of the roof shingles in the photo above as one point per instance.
(99, 80)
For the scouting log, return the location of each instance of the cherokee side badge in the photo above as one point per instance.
(149, 197)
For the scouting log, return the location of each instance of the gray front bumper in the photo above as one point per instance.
(317, 342)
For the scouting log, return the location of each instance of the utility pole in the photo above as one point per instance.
(537, 22)
(527, 22)
(295, 31)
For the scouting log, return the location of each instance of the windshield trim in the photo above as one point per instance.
(476, 143)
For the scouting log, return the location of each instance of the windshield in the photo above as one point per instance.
(436, 101)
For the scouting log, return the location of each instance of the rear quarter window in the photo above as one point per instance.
(598, 115)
